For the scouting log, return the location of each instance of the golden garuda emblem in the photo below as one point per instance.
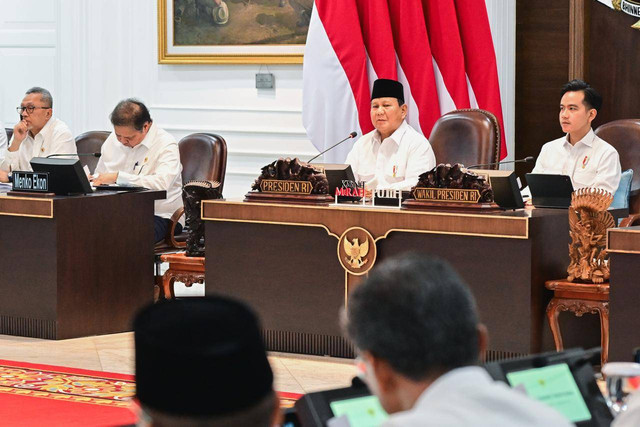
(588, 223)
(356, 252)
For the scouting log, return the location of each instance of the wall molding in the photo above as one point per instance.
(232, 109)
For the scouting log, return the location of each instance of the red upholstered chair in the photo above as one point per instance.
(470, 137)
(624, 136)
(90, 142)
(204, 158)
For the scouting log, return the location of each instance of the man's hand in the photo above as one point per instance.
(19, 134)
(4, 176)
(105, 178)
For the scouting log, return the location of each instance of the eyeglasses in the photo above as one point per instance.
(29, 109)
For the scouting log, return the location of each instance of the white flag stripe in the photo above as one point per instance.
(413, 115)
(323, 103)
(445, 99)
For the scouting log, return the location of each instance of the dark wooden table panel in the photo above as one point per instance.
(84, 271)
(282, 260)
(623, 245)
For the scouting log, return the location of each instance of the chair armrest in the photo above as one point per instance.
(630, 220)
(169, 238)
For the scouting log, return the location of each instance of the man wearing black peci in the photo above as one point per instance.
(393, 154)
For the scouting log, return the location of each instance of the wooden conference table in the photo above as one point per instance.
(623, 245)
(75, 266)
(287, 262)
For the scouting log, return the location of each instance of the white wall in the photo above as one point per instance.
(92, 53)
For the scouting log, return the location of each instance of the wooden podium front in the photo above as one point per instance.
(288, 262)
(75, 266)
(623, 245)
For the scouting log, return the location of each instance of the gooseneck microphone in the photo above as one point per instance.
(528, 159)
(75, 154)
(351, 135)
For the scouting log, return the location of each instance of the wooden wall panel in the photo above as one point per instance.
(542, 67)
(614, 63)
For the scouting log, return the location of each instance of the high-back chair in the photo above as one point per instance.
(90, 142)
(470, 137)
(204, 158)
(624, 136)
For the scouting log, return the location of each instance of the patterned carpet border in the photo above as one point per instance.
(78, 385)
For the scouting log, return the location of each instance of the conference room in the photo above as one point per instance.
(284, 154)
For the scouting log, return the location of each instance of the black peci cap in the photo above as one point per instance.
(200, 357)
(385, 88)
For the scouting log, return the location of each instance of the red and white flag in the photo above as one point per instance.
(441, 50)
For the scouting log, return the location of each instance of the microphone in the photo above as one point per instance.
(529, 159)
(351, 135)
(75, 154)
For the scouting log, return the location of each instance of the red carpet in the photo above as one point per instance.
(39, 395)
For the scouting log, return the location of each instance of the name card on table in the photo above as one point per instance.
(36, 182)
(286, 187)
(447, 195)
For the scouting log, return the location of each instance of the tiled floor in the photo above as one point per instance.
(115, 353)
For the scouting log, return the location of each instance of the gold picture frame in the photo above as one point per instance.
(252, 53)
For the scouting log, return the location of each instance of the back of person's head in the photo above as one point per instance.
(45, 95)
(130, 112)
(417, 314)
(592, 99)
(202, 362)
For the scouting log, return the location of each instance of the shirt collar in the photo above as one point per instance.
(45, 128)
(396, 136)
(150, 136)
(455, 381)
(586, 140)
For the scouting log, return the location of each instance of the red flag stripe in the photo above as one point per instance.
(480, 59)
(446, 47)
(412, 46)
(378, 38)
(342, 25)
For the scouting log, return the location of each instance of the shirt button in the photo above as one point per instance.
(42, 149)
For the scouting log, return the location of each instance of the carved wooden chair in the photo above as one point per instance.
(470, 137)
(90, 142)
(579, 299)
(204, 158)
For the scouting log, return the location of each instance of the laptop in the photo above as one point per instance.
(550, 191)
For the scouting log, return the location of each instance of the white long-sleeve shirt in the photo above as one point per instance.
(393, 163)
(470, 397)
(54, 138)
(3, 142)
(154, 163)
(591, 162)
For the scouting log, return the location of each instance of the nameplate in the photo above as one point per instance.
(37, 182)
(285, 187)
(447, 195)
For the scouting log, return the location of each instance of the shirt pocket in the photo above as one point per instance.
(395, 169)
(584, 177)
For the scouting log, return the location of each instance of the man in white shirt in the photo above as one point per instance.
(3, 142)
(140, 153)
(588, 160)
(415, 325)
(394, 154)
(38, 134)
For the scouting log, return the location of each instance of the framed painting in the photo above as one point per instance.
(232, 31)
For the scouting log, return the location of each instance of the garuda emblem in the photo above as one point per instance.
(356, 252)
